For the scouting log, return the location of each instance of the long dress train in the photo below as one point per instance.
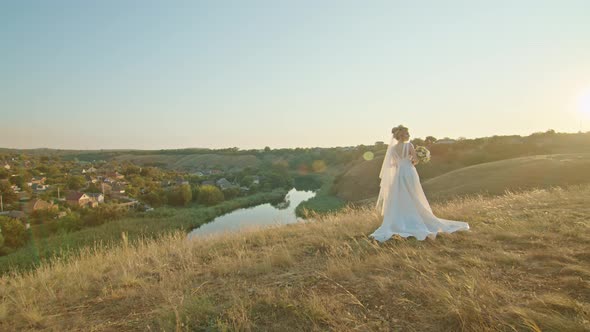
(406, 211)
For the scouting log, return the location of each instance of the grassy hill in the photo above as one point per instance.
(361, 181)
(524, 266)
(514, 174)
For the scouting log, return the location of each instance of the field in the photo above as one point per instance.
(361, 182)
(523, 266)
(513, 174)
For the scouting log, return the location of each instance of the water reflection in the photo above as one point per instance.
(260, 215)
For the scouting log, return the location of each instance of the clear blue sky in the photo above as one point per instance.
(170, 74)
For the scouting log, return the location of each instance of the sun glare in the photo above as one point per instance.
(584, 103)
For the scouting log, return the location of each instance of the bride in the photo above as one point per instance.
(401, 201)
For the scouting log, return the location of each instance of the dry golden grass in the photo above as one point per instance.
(524, 266)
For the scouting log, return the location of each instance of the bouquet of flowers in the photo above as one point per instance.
(423, 154)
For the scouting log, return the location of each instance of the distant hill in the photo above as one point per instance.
(359, 179)
(192, 162)
(514, 174)
(302, 160)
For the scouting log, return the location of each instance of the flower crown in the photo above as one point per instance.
(397, 129)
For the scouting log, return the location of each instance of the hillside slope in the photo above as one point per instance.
(524, 266)
(361, 182)
(513, 174)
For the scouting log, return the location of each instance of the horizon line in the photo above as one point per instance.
(276, 148)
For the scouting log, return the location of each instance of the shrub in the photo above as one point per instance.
(230, 193)
(75, 182)
(307, 182)
(8, 195)
(210, 195)
(180, 196)
(51, 225)
(14, 232)
(102, 214)
(155, 198)
(70, 223)
(41, 216)
(195, 193)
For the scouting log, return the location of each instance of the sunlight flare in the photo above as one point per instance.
(584, 103)
(368, 155)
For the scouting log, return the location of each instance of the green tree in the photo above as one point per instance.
(429, 140)
(52, 172)
(418, 142)
(8, 195)
(131, 169)
(210, 195)
(151, 173)
(277, 177)
(137, 181)
(19, 181)
(230, 193)
(93, 188)
(185, 193)
(131, 191)
(14, 232)
(247, 180)
(155, 198)
(196, 190)
(76, 182)
(180, 196)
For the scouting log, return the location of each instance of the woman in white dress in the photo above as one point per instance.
(401, 201)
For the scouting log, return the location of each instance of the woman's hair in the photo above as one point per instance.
(398, 132)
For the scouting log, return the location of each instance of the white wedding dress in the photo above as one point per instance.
(402, 202)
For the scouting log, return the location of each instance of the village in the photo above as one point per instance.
(50, 187)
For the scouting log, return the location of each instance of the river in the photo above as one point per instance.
(257, 216)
